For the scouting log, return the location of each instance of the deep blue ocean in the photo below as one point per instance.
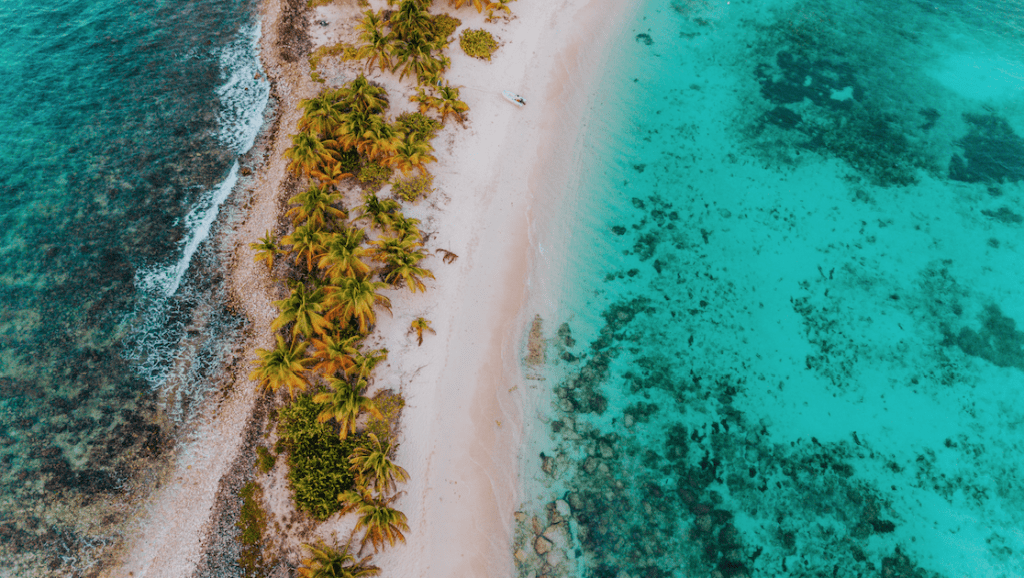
(788, 340)
(121, 126)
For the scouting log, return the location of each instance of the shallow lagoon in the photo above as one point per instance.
(787, 341)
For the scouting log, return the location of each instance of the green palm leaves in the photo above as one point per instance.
(419, 325)
(356, 298)
(266, 249)
(342, 254)
(303, 308)
(374, 470)
(401, 255)
(446, 102)
(307, 153)
(282, 366)
(326, 562)
(377, 518)
(344, 403)
(315, 204)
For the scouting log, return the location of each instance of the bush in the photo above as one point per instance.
(413, 188)
(264, 459)
(375, 176)
(478, 43)
(418, 124)
(317, 458)
(445, 25)
(390, 405)
(252, 521)
(349, 161)
(347, 52)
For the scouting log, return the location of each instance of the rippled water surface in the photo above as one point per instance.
(790, 336)
(121, 125)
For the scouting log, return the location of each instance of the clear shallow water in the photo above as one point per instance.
(787, 341)
(121, 126)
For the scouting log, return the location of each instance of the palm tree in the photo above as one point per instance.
(419, 325)
(314, 205)
(303, 308)
(413, 153)
(266, 249)
(319, 114)
(501, 5)
(381, 522)
(373, 470)
(344, 403)
(410, 19)
(380, 213)
(376, 44)
(282, 366)
(354, 126)
(363, 365)
(415, 54)
(343, 254)
(448, 102)
(330, 174)
(307, 153)
(335, 354)
(306, 241)
(355, 297)
(379, 141)
(363, 96)
(478, 4)
(405, 227)
(401, 254)
(326, 562)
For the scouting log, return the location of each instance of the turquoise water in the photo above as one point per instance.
(788, 340)
(121, 123)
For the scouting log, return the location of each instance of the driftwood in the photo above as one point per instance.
(449, 257)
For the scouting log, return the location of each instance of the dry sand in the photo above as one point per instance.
(462, 425)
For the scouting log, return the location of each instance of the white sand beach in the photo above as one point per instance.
(461, 427)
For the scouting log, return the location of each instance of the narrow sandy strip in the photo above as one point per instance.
(462, 425)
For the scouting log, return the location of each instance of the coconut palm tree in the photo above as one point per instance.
(343, 253)
(498, 5)
(330, 174)
(415, 54)
(408, 273)
(363, 365)
(354, 126)
(405, 227)
(380, 213)
(354, 297)
(334, 353)
(307, 153)
(410, 19)
(379, 141)
(326, 562)
(380, 522)
(315, 204)
(376, 47)
(306, 241)
(478, 4)
(373, 469)
(319, 114)
(266, 249)
(344, 403)
(281, 366)
(412, 153)
(363, 96)
(303, 308)
(447, 102)
(419, 325)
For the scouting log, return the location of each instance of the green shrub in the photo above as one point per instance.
(252, 521)
(374, 175)
(390, 405)
(478, 43)
(410, 189)
(418, 124)
(264, 459)
(445, 25)
(317, 457)
(350, 161)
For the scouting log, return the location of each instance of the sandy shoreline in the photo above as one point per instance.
(462, 426)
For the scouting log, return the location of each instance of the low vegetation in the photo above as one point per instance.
(478, 43)
(253, 525)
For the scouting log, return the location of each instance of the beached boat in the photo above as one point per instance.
(513, 98)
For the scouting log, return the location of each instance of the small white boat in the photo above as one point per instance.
(513, 98)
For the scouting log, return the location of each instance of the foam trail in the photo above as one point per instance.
(245, 93)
